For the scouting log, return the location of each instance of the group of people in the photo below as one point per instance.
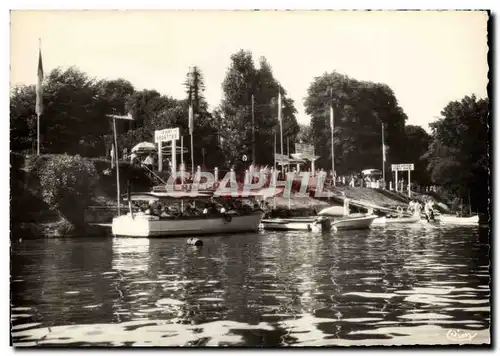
(426, 207)
(211, 208)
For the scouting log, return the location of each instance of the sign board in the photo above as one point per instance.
(244, 158)
(403, 167)
(304, 150)
(281, 158)
(166, 135)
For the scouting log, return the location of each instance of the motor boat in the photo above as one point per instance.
(149, 224)
(414, 218)
(341, 218)
(461, 220)
(296, 224)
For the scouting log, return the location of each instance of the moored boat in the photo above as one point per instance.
(297, 224)
(181, 223)
(341, 218)
(398, 220)
(452, 219)
(353, 222)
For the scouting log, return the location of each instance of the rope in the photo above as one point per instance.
(156, 175)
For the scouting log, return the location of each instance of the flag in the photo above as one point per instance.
(279, 107)
(384, 149)
(191, 124)
(39, 86)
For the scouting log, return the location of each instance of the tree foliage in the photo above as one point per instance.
(74, 119)
(360, 109)
(458, 153)
(417, 142)
(65, 182)
(234, 116)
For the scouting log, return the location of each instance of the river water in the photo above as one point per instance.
(413, 284)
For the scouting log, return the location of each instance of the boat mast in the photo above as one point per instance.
(117, 117)
(117, 168)
(470, 204)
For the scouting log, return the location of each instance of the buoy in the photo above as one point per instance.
(194, 242)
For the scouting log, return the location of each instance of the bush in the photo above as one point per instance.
(67, 184)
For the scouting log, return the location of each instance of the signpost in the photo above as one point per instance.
(403, 167)
(281, 159)
(304, 150)
(166, 135)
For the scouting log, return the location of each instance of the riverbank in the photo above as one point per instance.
(65, 196)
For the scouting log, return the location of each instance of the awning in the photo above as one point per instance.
(144, 146)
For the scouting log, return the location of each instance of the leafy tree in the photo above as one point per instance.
(74, 118)
(143, 105)
(23, 118)
(458, 152)
(65, 182)
(205, 143)
(195, 87)
(305, 134)
(360, 109)
(417, 142)
(234, 116)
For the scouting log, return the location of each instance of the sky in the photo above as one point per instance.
(427, 58)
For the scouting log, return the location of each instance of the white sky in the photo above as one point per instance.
(427, 58)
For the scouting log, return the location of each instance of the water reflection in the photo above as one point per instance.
(393, 285)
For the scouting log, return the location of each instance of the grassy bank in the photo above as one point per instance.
(51, 194)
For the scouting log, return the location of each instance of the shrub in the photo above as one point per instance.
(67, 184)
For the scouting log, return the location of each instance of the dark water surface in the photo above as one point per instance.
(413, 284)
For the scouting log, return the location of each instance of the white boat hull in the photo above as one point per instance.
(353, 222)
(150, 226)
(291, 225)
(405, 220)
(451, 219)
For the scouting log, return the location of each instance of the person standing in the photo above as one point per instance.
(112, 156)
(148, 162)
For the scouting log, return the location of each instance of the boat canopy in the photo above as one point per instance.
(239, 194)
(164, 195)
(372, 171)
(247, 194)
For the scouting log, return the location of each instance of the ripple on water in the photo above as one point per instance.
(389, 286)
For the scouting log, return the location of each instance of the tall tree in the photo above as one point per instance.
(206, 147)
(73, 121)
(360, 109)
(195, 88)
(458, 152)
(235, 115)
(417, 142)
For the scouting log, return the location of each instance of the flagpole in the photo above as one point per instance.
(333, 150)
(192, 156)
(253, 131)
(288, 153)
(117, 168)
(383, 155)
(274, 149)
(39, 95)
(281, 124)
(38, 134)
